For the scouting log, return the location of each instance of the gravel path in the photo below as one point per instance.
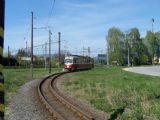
(148, 70)
(26, 104)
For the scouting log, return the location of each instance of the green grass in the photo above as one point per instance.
(14, 78)
(113, 90)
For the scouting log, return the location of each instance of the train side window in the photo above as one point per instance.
(74, 61)
(80, 61)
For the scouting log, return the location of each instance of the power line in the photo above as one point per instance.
(50, 51)
(59, 48)
(152, 24)
(31, 65)
(50, 13)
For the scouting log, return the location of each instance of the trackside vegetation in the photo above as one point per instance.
(14, 78)
(122, 95)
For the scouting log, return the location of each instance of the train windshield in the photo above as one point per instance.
(68, 61)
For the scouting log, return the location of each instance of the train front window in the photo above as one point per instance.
(68, 61)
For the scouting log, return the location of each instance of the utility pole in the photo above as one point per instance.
(45, 55)
(26, 50)
(128, 57)
(107, 52)
(2, 14)
(89, 51)
(152, 24)
(26, 53)
(31, 65)
(50, 51)
(59, 50)
(83, 51)
(8, 52)
(65, 47)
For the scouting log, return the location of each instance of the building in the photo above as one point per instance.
(101, 58)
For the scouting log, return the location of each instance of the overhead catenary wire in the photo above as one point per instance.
(50, 12)
(34, 47)
(45, 27)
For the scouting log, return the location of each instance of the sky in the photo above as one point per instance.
(82, 23)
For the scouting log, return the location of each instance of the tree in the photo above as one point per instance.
(145, 58)
(10, 61)
(134, 43)
(116, 45)
(152, 44)
(157, 34)
(21, 53)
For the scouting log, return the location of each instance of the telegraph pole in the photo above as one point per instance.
(50, 51)
(26, 50)
(128, 57)
(107, 52)
(31, 45)
(45, 55)
(2, 14)
(65, 47)
(89, 51)
(83, 51)
(152, 24)
(26, 53)
(8, 52)
(59, 50)
(8, 56)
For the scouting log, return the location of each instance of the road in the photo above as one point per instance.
(148, 70)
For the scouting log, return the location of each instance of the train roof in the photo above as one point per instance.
(78, 56)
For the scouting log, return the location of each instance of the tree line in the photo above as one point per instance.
(131, 48)
(15, 60)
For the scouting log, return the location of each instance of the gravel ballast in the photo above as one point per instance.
(26, 104)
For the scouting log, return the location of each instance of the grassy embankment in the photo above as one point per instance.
(115, 91)
(14, 78)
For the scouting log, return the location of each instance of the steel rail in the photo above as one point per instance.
(54, 90)
(44, 101)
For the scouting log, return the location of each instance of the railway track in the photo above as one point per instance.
(57, 105)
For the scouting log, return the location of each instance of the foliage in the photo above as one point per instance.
(135, 45)
(151, 44)
(116, 45)
(157, 34)
(9, 61)
(141, 51)
(21, 52)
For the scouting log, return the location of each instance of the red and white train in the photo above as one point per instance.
(74, 62)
